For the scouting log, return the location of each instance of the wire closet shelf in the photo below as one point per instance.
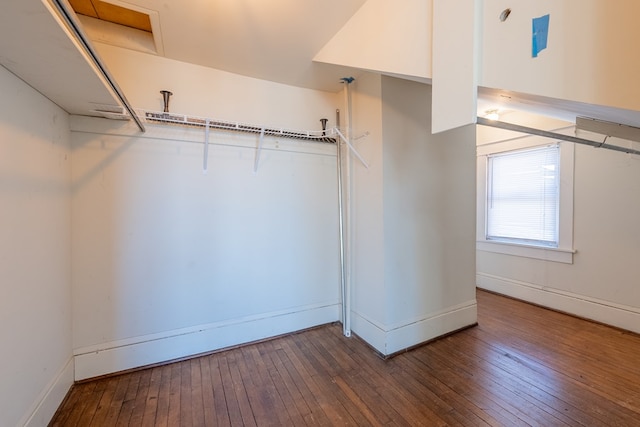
(325, 136)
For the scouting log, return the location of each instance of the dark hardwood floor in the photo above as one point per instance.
(522, 365)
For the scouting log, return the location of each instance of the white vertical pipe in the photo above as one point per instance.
(347, 301)
(343, 280)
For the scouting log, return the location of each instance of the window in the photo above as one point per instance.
(525, 199)
(523, 196)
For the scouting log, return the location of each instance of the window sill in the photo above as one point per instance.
(536, 252)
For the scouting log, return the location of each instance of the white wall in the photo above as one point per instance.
(414, 259)
(203, 91)
(388, 37)
(589, 41)
(35, 280)
(429, 188)
(601, 284)
(367, 230)
(170, 262)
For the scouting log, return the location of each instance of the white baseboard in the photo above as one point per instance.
(431, 326)
(618, 315)
(398, 337)
(51, 397)
(372, 333)
(147, 350)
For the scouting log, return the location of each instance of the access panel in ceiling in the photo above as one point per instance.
(112, 13)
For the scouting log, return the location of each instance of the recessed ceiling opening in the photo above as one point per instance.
(118, 23)
(112, 13)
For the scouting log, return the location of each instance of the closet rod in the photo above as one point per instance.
(553, 135)
(180, 119)
(64, 10)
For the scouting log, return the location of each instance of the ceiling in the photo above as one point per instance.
(274, 40)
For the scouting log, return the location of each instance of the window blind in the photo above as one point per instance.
(523, 196)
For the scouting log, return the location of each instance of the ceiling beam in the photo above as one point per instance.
(553, 135)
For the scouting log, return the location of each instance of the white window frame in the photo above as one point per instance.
(564, 252)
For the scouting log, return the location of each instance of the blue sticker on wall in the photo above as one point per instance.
(539, 35)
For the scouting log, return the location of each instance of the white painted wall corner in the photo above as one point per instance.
(47, 403)
(391, 339)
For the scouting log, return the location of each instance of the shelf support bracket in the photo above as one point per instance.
(352, 148)
(205, 159)
(258, 150)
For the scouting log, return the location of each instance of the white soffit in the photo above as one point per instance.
(35, 46)
(454, 64)
(392, 38)
(504, 100)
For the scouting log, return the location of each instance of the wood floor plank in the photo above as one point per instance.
(352, 383)
(276, 408)
(260, 400)
(174, 407)
(223, 408)
(186, 410)
(527, 380)
(91, 404)
(116, 401)
(162, 409)
(481, 391)
(567, 366)
(140, 401)
(327, 380)
(424, 373)
(151, 402)
(233, 407)
(208, 400)
(368, 392)
(509, 398)
(358, 403)
(195, 391)
(80, 402)
(128, 402)
(318, 383)
(296, 384)
(239, 390)
(68, 405)
(600, 410)
(99, 417)
(383, 379)
(292, 401)
(522, 365)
